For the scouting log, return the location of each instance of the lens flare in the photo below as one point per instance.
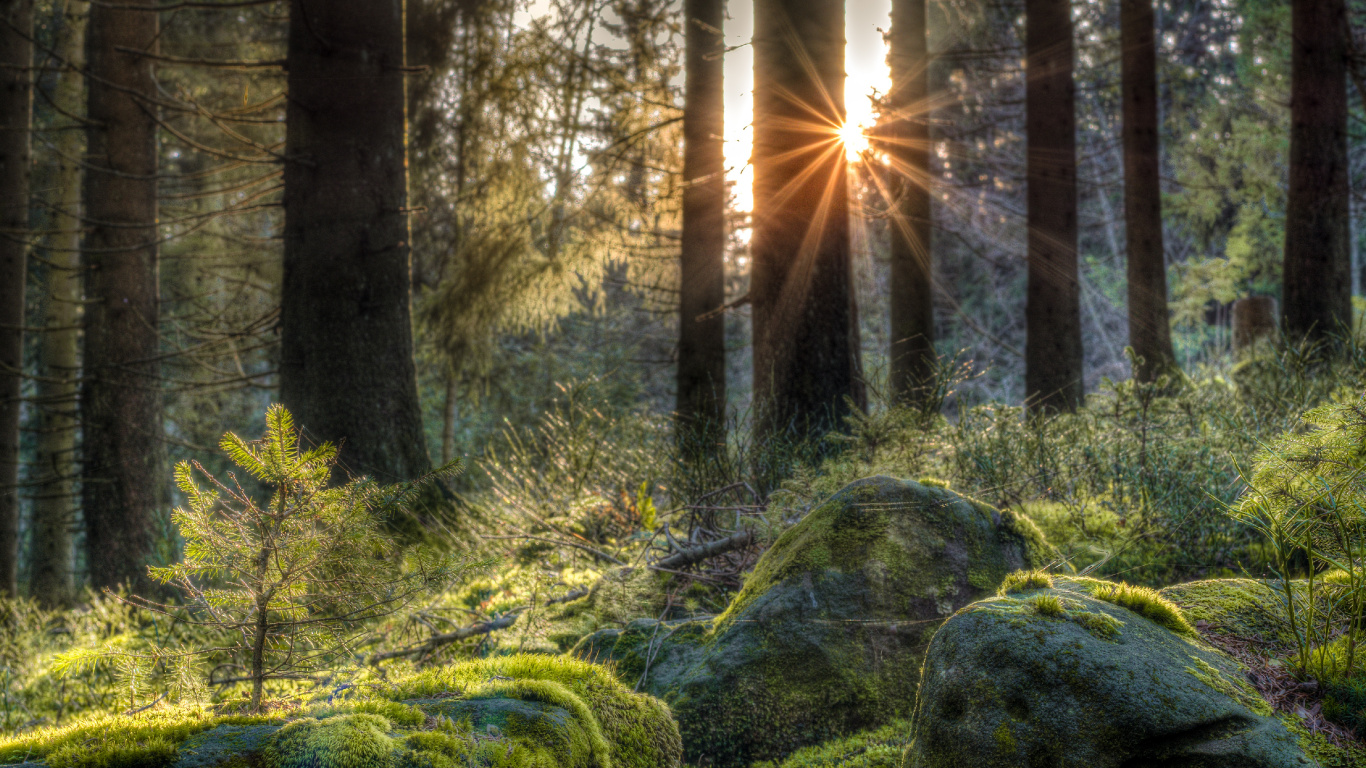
(854, 140)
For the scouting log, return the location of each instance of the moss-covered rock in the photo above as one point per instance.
(1061, 676)
(1241, 607)
(819, 641)
(528, 711)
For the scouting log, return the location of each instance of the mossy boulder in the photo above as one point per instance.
(1067, 675)
(1239, 607)
(819, 641)
(528, 711)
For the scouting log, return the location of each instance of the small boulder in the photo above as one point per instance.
(1087, 673)
(819, 641)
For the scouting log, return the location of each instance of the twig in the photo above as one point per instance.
(149, 706)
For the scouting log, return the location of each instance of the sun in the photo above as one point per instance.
(854, 139)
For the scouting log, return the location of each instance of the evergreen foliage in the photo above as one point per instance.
(1307, 494)
(291, 579)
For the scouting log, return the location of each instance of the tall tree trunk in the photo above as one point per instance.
(1053, 361)
(123, 480)
(346, 357)
(50, 576)
(801, 287)
(702, 266)
(912, 289)
(16, 112)
(1149, 327)
(1317, 287)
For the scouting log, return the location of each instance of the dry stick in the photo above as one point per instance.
(711, 549)
(436, 641)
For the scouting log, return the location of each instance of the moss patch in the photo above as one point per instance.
(880, 748)
(1023, 581)
(527, 711)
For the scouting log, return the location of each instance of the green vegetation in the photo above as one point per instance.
(1306, 496)
(295, 577)
(511, 712)
(880, 748)
(1023, 581)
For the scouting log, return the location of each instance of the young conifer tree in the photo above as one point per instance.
(292, 580)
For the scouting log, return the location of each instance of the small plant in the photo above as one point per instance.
(1307, 495)
(291, 580)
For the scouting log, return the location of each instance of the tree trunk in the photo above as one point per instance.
(50, 576)
(346, 357)
(1149, 327)
(16, 112)
(801, 288)
(912, 290)
(121, 405)
(702, 280)
(1254, 319)
(1053, 360)
(1317, 299)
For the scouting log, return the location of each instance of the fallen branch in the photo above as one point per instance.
(446, 638)
(705, 551)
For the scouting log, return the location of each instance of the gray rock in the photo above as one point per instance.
(818, 642)
(1055, 677)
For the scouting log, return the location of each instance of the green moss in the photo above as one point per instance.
(1144, 601)
(1100, 625)
(1005, 738)
(145, 740)
(880, 748)
(1235, 688)
(1022, 581)
(1048, 605)
(1242, 607)
(531, 712)
(344, 741)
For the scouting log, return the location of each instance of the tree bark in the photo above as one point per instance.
(702, 281)
(50, 574)
(801, 288)
(16, 112)
(1317, 286)
(346, 357)
(1149, 327)
(1053, 356)
(912, 289)
(121, 405)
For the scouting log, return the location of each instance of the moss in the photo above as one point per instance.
(530, 712)
(144, 740)
(1234, 688)
(344, 741)
(1037, 549)
(628, 728)
(1003, 686)
(1242, 607)
(1048, 605)
(1022, 581)
(1144, 601)
(1005, 739)
(879, 748)
(1100, 625)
